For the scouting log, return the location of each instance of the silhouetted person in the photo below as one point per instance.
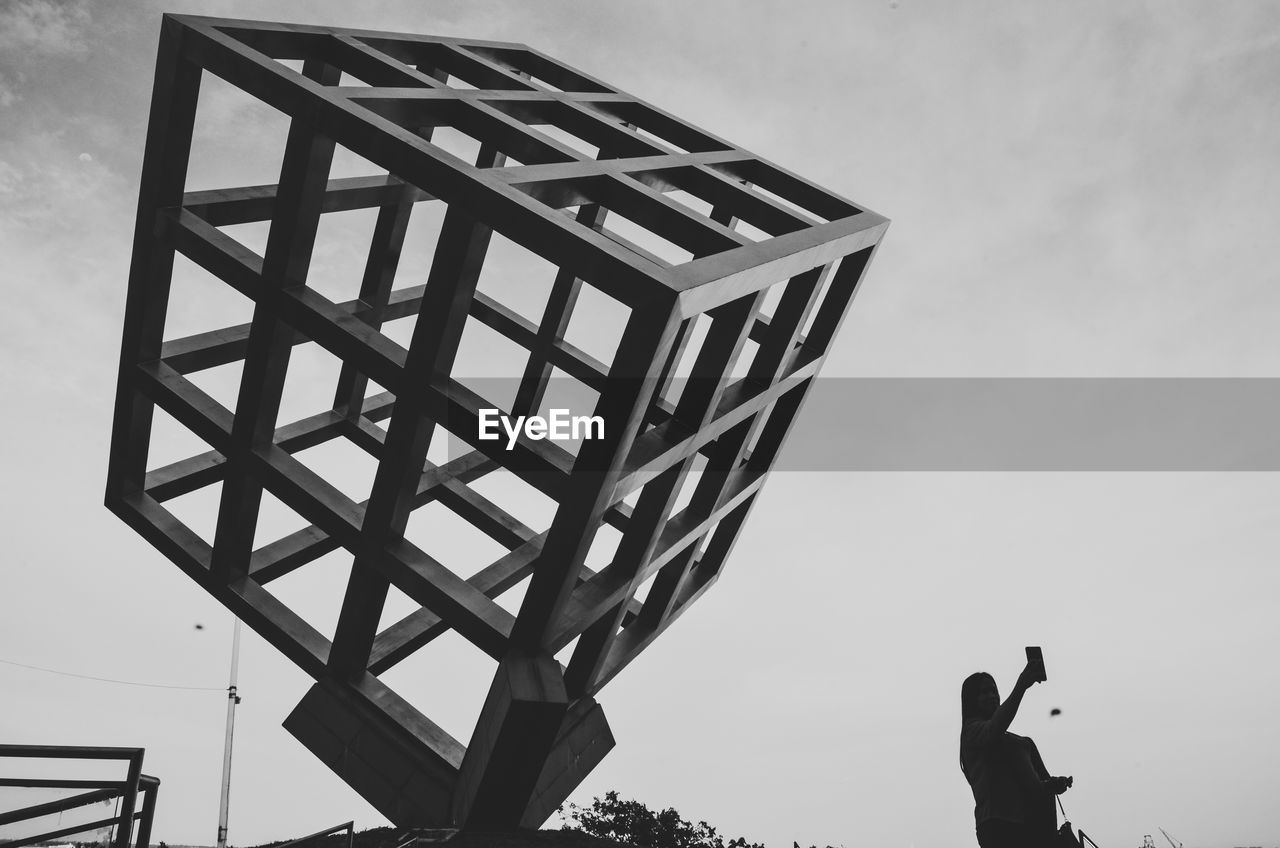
(1013, 792)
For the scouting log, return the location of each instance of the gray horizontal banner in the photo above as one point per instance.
(1037, 425)
(1040, 424)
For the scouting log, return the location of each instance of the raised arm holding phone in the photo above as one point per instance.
(1013, 792)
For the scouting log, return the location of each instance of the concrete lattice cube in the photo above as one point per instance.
(734, 276)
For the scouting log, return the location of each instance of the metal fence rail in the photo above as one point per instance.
(136, 794)
(349, 827)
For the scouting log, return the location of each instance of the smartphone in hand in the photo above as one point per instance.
(1036, 657)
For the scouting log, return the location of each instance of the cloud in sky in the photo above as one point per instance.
(33, 31)
(65, 211)
(45, 28)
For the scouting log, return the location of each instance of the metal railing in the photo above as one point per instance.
(349, 827)
(136, 795)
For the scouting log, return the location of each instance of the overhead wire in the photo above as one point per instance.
(112, 679)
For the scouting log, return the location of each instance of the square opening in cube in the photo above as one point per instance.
(569, 406)
(821, 297)
(642, 591)
(250, 234)
(742, 365)
(397, 607)
(452, 540)
(489, 364)
(237, 141)
(512, 598)
(343, 465)
(530, 506)
(656, 127)
(177, 459)
(315, 590)
(198, 510)
(347, 164)
(541, 70)
(679, 367)
(455, 142)
(221, 382)
(632, 217)
(697, 204)
(456, 66)
(200, 303)
(455, 707)
(341, 253)
(568, 139)
(645, 241)
(689, 484)
(517, 278)
(421, 236)
(587, 133)
(725, 199)
(604, 547)
(596, 323)
(464, 131)
(787, 191)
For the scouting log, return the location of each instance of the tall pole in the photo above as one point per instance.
(232, 700)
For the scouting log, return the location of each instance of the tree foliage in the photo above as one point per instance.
(630, 821)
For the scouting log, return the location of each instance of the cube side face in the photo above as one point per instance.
(339, 466)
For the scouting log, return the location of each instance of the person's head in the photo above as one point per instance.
(979, 697)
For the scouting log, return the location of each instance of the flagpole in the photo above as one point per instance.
(232, 700)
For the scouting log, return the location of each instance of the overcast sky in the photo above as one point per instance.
(1077, 190)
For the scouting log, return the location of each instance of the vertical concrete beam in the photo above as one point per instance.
(517, 729)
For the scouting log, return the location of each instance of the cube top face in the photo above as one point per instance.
(677, 208)
(593, 253)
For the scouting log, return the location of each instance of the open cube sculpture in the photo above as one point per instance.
(732, 276)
